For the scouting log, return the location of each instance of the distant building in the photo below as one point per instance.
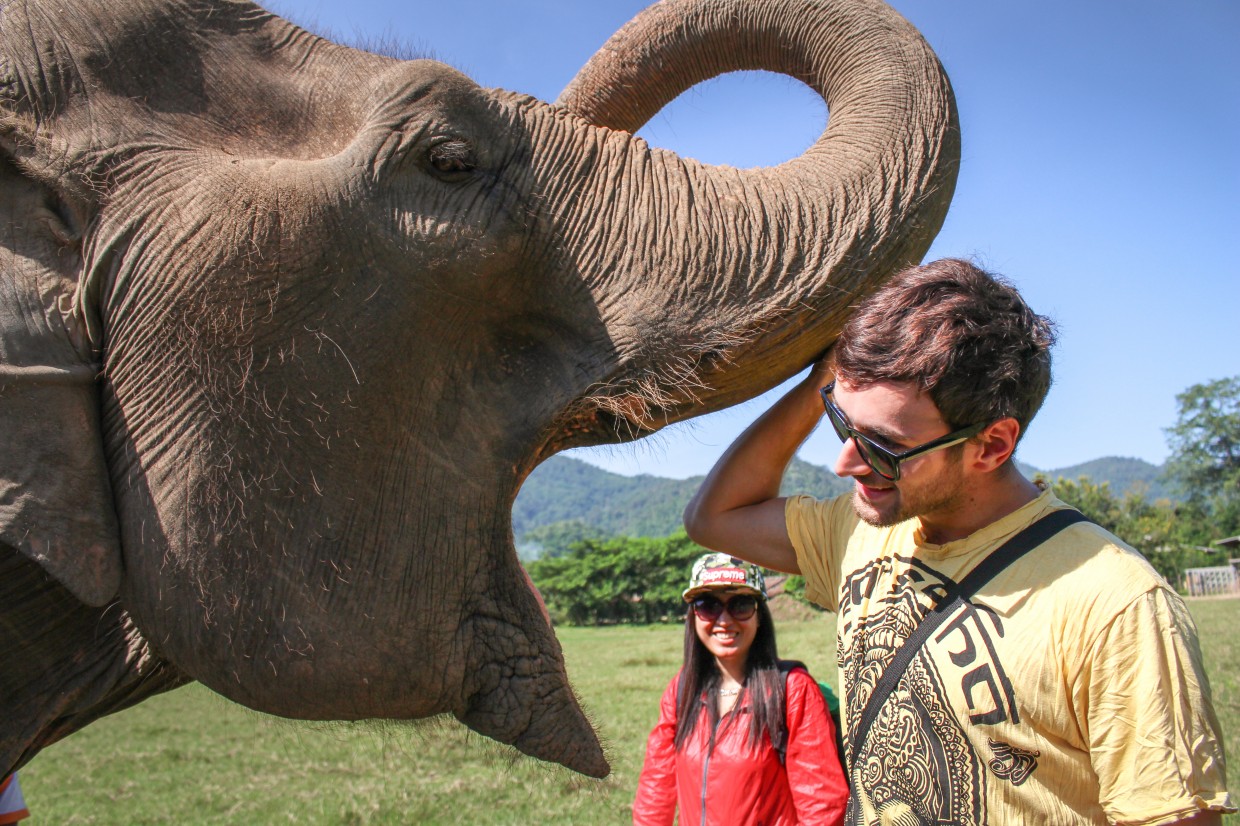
(1231, 544)
(1223, 580)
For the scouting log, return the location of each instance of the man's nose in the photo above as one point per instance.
(849, 462)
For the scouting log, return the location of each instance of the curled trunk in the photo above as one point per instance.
(754, 271)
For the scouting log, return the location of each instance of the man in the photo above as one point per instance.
(1070, 690)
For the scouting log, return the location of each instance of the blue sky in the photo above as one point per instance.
(1100, 172)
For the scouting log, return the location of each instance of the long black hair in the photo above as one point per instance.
(762, 690)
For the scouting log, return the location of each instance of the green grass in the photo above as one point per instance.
(189, 757)
(1217, 622)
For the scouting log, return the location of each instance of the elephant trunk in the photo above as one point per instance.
(725, 282)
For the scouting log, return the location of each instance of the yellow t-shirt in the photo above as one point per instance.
(1070, 691)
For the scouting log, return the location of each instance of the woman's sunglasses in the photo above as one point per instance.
(882, 461)
(740, 607)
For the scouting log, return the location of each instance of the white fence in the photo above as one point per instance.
(1212, 582)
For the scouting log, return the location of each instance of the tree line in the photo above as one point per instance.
(587, 579)
(623, 579)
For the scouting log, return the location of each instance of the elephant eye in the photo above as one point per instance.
(451, 158)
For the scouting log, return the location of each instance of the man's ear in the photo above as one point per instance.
(56, 502)
(995, 444)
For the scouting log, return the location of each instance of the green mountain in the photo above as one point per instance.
(566, 498)
(1122, 473)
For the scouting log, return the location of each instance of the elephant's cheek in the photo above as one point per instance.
(306, 661)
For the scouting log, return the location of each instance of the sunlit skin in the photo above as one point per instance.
(897, 416)
(953, 491)
(728, 640)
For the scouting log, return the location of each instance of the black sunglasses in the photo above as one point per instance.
(882, 461)
(740, 607)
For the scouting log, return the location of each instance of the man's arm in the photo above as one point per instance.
(738, 509)
(1154, 740)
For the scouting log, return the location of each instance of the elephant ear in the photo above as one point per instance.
(55, 499)
(80, 94)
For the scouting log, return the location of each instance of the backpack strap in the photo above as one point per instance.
(1000, 558)
(828, 697)
(785, 667)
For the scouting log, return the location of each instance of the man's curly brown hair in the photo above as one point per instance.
(961, 334)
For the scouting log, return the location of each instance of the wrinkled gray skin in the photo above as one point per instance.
(284, 325)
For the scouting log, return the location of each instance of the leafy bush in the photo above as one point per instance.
(794, 586)
(625, 579)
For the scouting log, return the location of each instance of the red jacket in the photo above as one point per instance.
(734, 783)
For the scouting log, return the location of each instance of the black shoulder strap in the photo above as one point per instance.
(780, 742)
(787, 665)
(781, 748)
(1024, 541)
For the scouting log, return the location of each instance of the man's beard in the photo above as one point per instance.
(941, 493)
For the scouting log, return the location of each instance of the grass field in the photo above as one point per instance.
(189, 757)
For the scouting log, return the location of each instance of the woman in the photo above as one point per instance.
(739, 740)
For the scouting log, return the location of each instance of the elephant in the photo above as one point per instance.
(284, 325)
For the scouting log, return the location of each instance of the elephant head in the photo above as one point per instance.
(284, 325)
